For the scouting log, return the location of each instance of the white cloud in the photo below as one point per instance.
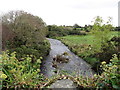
(66, 12)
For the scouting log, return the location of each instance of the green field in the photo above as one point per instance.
(88, 39)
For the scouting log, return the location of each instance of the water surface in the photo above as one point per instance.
(75, 66)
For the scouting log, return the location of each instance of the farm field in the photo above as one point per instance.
(78, 39)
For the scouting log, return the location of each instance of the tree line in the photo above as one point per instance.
(58, 31)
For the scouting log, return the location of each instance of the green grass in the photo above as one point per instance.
(75, 39)
(88, 39)
(115, 33)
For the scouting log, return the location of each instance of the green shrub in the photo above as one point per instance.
(108, 80)
(20, 74)
(108, 49)
(110, 77)
(58, 31)
(42, 49)
(29, 34)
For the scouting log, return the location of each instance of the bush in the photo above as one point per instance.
(28, 34)
(107, 50)
(20, 74)
(108, 80)
(110, 77)
(57, 31)
(37, 50)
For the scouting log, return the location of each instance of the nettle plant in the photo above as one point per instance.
(20, 74)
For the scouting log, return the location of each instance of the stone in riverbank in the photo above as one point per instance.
(64, 83)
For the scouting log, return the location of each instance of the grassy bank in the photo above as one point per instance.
(83, 47)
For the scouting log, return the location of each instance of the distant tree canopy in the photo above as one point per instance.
(56, 31)
(27, 31)
(76, 26)
(117, 28)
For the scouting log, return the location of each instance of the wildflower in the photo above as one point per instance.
(38, 61)
(114, 66)
(103, 62)
(41, 58)
(38, 70)
(3, 76)
(95, 75)
(110, 68)
(31, 55)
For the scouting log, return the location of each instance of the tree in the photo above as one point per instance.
(28, 28)
(29, 33)
(7, 20)
(76, 26)
(100, 32)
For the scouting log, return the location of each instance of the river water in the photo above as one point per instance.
(75, 66)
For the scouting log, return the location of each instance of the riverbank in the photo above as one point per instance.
(85, 47)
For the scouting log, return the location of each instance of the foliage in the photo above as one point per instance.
(24, 74)
(112, 47)
(83, 46)
(101, 33)
(97, 45)
(29, 34)
(41, 49)
(117, 28)
(28, 28)
(20, 74)
(57, 31)
(110, 78)
(76, 26)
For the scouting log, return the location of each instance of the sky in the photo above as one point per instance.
(65, 12)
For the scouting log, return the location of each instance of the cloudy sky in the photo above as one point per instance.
(65, 12)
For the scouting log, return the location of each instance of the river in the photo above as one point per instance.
(75, 66)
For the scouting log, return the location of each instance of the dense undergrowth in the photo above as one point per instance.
(24, 74)
(20, 74)
(26, 37)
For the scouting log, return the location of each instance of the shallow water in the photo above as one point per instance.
(75, 66)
